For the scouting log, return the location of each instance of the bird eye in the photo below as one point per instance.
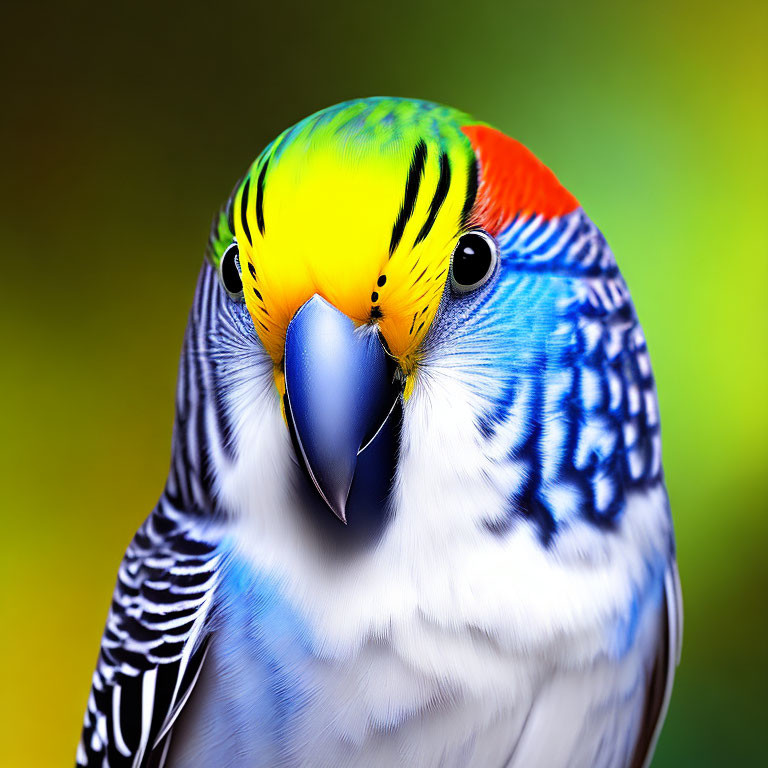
(229, 272)
(474, 261)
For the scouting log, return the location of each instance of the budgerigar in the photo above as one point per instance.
(415, 514)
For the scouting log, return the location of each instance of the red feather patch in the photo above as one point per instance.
(512, 181)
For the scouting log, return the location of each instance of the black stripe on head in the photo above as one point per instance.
(230, 208)
(260, 197)
(231, 215)
(469, 201)
(443, 183)
(244, 210)
(415, 172)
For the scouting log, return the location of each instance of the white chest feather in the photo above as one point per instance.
(438, 644)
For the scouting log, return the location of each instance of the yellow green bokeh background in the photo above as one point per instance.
(124, 128)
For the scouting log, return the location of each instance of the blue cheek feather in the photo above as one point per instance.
(577, 398)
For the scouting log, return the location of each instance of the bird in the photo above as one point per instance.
(416, 512)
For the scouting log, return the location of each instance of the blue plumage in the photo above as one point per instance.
(504, 591)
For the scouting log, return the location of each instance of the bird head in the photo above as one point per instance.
(396, 256)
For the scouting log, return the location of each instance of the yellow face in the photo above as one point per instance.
(369, 227)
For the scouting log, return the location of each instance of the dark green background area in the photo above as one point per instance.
(123, 129)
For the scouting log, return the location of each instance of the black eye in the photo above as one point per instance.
(473, 261)
(229, 272)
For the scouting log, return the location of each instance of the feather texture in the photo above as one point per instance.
(154, 642)
(517, 601)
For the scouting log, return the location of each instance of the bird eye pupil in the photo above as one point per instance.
(473, 260)
(229, 269)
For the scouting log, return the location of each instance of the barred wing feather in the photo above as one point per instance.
(154, 643)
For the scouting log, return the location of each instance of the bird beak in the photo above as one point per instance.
(340, 387)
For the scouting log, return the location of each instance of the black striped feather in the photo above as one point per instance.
(443, 184)
(412, 184)
(154, 642)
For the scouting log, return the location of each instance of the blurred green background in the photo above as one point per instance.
(124, 127)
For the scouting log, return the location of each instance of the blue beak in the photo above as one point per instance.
(341, 386)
